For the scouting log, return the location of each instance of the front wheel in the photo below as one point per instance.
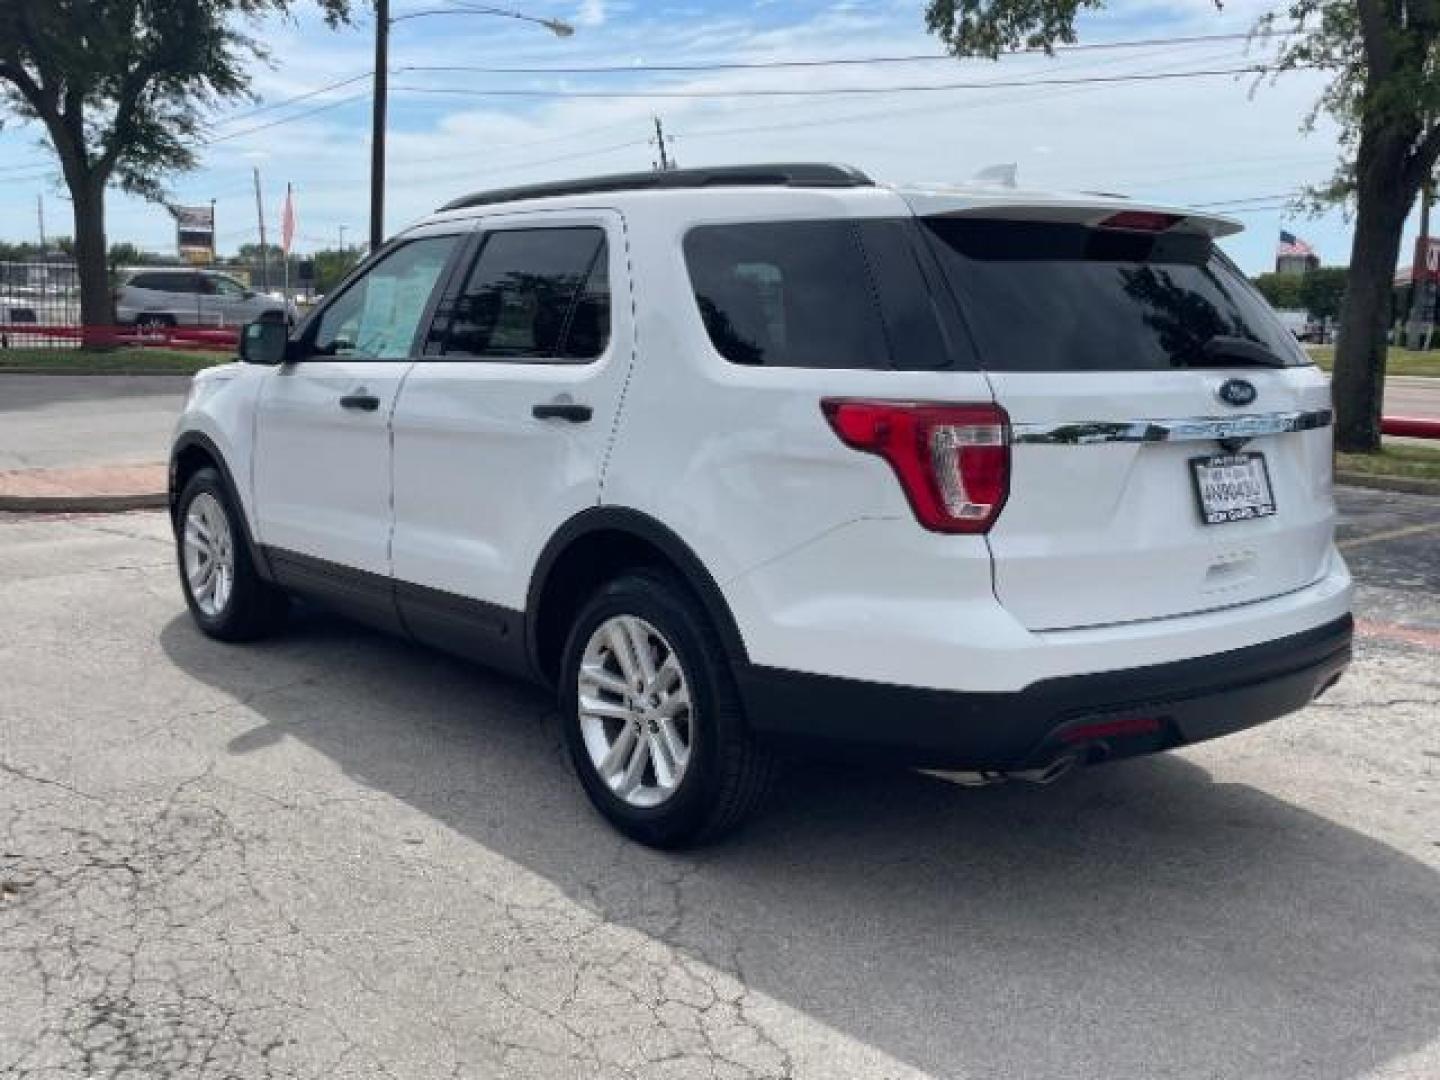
(226, 595)
(652, 719)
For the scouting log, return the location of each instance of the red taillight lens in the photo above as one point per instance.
(952, 460)
(1141, 221)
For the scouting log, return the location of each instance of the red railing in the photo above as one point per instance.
(105, 337)
(1411, 427)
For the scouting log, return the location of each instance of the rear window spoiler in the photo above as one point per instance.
(1017, 206)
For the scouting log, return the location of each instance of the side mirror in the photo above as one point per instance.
(265, 341)
(250, 294)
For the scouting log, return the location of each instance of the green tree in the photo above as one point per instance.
(1322, 291)
(1381, 58)
(123, 89)
(331, 265)
(1281, 290)
(125, 254)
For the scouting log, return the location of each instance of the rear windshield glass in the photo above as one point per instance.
(1055, 297)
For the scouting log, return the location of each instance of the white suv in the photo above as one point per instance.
(750, 458)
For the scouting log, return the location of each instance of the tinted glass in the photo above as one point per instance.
(907, 301)
(376, 316)
(787, 294)
(534, 294)
(1053, 297)
(164, 281)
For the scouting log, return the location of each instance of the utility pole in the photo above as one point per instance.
(377, 124)
(666, 162)
(260, 215)
(342, 237)
(40, 213)
(214, 238)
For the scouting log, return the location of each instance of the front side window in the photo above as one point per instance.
(533, 294)
(377, 315)
(228, 287)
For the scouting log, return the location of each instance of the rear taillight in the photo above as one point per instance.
(952, 460)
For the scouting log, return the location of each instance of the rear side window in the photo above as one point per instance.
(813, 294)
(534, 294)
(1040, 296)
(164, 282)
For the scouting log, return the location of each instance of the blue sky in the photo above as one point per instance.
(1188, 141)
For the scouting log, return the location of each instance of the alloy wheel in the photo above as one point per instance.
(209, 550)
(635, 709)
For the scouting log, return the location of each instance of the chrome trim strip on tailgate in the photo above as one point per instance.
(1192, 429)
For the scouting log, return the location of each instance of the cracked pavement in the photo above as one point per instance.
(336, 855)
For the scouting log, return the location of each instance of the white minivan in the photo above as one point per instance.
(744, 461)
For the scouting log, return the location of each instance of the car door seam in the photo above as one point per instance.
(630, 284)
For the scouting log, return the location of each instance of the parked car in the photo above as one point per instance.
(748, 460)
(172, 296)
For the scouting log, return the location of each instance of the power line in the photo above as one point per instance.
(287, 119)
(770, 65)
(1252, 69)
(769, 110)
(1252, 199)
(522, 166)
(306, 96)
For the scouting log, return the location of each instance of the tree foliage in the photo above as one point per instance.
(123, 90)
(331, 266)
(1281, 290)
(1322, 291)
(1384, 92)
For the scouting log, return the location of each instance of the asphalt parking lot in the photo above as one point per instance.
(335, 855)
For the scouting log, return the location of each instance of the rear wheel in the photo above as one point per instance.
(226, 595)
(651, 717)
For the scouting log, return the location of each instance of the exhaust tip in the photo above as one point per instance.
(1049, 772)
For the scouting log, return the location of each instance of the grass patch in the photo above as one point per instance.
(1394, 459)
(1397, 361)
(112, 361)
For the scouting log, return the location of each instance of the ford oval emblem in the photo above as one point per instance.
(1237, 392)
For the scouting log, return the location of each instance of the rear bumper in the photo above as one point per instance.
(1103, 715)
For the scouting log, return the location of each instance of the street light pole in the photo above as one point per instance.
(377, 130)
(559, 27)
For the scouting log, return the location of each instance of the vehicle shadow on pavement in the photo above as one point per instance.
(1138, 920)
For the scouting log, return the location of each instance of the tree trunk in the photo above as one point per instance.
(1383, 202)
(97, 309)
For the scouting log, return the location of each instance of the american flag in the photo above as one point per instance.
(1290, 244)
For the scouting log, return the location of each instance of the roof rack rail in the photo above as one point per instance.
(799, 174)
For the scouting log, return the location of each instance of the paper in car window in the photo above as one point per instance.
(377, 329)
(392, 310)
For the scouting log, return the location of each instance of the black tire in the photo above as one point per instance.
(729, 772)
(254, 608)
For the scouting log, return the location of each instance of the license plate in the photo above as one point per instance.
(1232, 487)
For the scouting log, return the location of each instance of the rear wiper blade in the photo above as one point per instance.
(1223, 350)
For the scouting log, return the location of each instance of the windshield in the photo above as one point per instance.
(1040, 296)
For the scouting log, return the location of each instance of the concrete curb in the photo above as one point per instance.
(85, 489)
(82, 504)
(1409, 485)
(179, 374)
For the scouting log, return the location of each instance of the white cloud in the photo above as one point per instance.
(591, 13)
